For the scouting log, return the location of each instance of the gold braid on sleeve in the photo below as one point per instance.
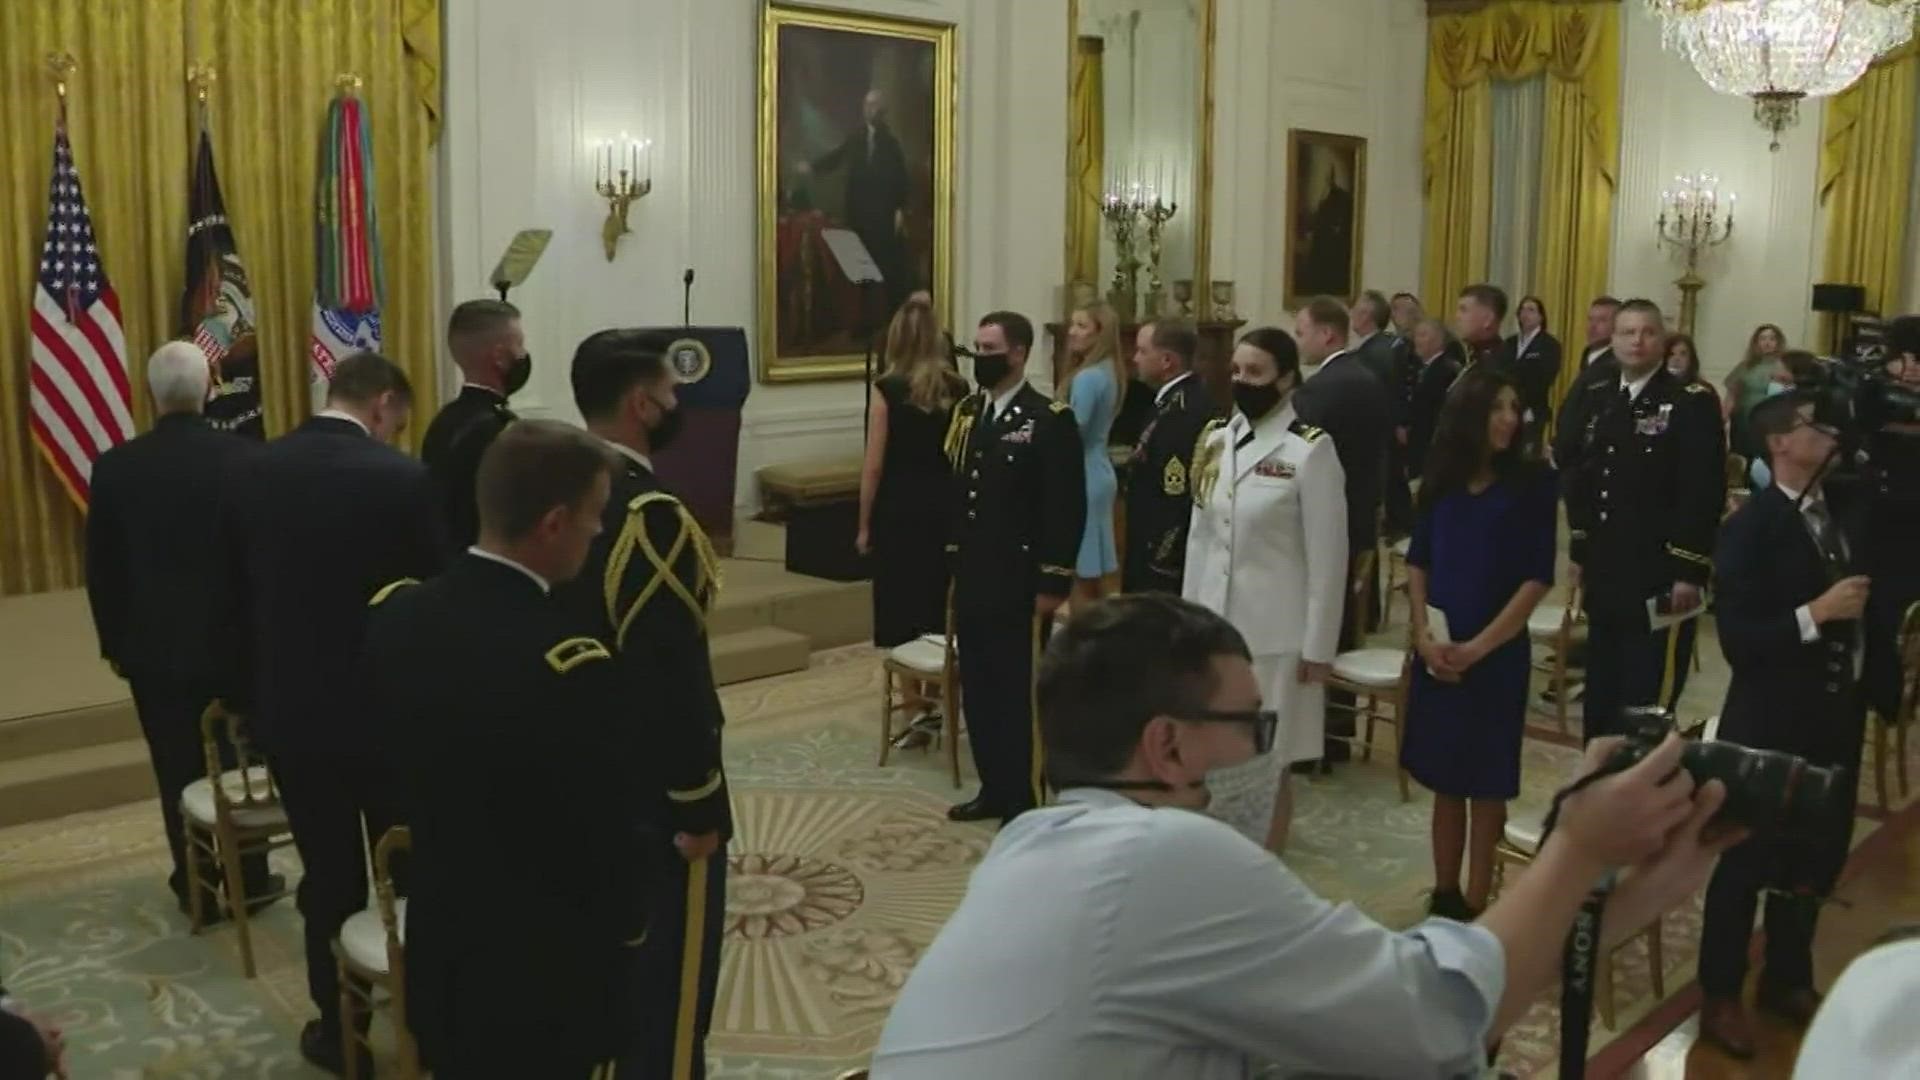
(633, 538)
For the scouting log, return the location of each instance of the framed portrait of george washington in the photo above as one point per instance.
(1326, 214)
(856, 183)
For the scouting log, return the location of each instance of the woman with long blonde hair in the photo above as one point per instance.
(1091, 378)
(904, 482)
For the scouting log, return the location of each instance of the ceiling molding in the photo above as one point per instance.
(1468, 7)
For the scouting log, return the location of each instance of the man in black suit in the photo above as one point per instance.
(1789, 615)
(1159, 484)
(1435, 373)
(153, 579)
(1477, 316)
(1355, 408)
(1600, 316)
(1643, 463)
(318, 524)
(1532, 357)
(529, 876)
(1020, 507)
(1372, 344)
(647, 590)
(878, 187)
(490, 349)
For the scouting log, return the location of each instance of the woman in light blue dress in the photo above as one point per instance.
(1091, 380)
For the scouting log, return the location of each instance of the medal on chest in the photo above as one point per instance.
(1274, 469)
(1655, 424)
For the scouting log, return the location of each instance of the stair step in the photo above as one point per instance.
(72, 729)
(69, 781)
(757, 653)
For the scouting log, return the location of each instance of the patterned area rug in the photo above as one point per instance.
(842, 874)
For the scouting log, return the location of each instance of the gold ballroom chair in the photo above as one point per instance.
(371, 953)
(1396, 577)
(1909, 707)
(922, 674)
(230, 814)
(1377, 679)
(1517, 848)
(1559, 627)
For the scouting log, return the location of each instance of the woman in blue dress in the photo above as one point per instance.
(1482, 555)
(1091, 380)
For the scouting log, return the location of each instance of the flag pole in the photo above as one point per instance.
(61, 66)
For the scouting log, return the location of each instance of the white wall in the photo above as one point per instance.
(529, 85)
(1354, 67)
(1765, 272)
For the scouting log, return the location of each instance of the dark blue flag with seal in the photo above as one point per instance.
(217, 310)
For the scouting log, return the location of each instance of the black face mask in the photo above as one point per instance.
(667, 430)
(1255, 401)
(517, 374)
(990, 369)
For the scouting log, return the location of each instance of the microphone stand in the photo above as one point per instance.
(686, 298)
(868, 330)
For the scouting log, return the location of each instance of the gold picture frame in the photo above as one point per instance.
(1326, 220)
(832, 62)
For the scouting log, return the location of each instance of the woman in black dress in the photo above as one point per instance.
(905, 482)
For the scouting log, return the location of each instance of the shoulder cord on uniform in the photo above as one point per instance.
(959, 426)
(1206, 463)
(633, 536)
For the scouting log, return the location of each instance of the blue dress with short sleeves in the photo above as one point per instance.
(1094, 395)
(1463, 739)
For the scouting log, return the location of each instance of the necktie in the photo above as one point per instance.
(1825, 534)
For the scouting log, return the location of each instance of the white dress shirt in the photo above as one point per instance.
(1001, 401)
(336, 414)
(480, 552)
(1169, 947)
(631, 454)
(1634, 386)
(1803, 615)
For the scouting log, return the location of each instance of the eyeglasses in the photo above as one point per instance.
(1264, 723)
(1828, 430)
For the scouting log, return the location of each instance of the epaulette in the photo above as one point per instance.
(1698, 388)
(1206, 462)
(1058, 406)
(634, 537)
(574, 651)
(387, 591)
(1305, 430)
(970, 405)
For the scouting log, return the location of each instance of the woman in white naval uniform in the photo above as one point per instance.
(1268, 550)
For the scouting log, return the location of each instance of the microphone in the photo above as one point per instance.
(686, 302)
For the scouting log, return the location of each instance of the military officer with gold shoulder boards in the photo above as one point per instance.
(529, 884)
(1159, 497)
(648, 588)
(1643, 462)
(1268, 550)
(1020, 505)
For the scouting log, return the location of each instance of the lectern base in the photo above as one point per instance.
(820, 541)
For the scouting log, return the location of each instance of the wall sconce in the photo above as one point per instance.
(622, 173)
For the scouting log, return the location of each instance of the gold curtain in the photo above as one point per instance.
(1577, 47)
(1086, 155)
(1866, 176)
(130, 119)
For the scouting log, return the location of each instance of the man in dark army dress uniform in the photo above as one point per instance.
(530, 871)
(1643, 462)
(1020, 506)
(1159, 495)
(491, 350)
(648, 587)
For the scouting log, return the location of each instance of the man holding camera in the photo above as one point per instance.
(1791, 597)
(1169, 945)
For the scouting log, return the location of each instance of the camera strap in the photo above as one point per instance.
(1579, 970)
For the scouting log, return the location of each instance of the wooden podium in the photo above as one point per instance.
(700, 466)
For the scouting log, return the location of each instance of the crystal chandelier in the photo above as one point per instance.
(1780, 51)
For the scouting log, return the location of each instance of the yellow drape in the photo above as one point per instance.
(1086, 154)
(1577, 47)
(130, 120)
(1866, 176)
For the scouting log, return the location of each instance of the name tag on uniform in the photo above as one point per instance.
(1275, 470)
(1023, 434)
(1655, 424)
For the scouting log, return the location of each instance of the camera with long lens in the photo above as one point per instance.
(1857, 396)
(1767, 790)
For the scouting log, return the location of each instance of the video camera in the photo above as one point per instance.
(1767, 790)
(1855, 395)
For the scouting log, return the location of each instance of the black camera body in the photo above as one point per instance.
(1767, 790)
(1857, 397)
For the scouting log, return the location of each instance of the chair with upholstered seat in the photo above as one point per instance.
(1377, 679)
(371, 955)
(225, 817)
(1908, 708)
(918, 675)
(1559, 627)
(1517, 848)
(1396, 576)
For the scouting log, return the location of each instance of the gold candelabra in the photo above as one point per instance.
(1126, 212)
(1695, 215)
(622, 175)
(1157, 214)
(1122, 219)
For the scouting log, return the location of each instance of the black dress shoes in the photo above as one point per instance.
(1795, 1006)
(1724, 1024)
(320, 1046)
(975, 809)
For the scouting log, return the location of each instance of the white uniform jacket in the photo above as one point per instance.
(1268, 545)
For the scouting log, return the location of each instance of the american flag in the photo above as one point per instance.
(79, 398)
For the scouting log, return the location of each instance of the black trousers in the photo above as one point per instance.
(170, 711)
(1630, 666)
(996, 694)
(1399, 497)
(339, 804)
(681, 983)
(1804, 864)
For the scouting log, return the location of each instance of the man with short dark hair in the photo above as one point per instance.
(1367, 320)
(516, 738)
(1477, 318)
(1020, 507)
(647, 592)
(1159, 488)
(1406, 312)
(1642, 460)
(1600, 316)
(490, 348)
(1123, 934)
(1791, 595)
(318, 523)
